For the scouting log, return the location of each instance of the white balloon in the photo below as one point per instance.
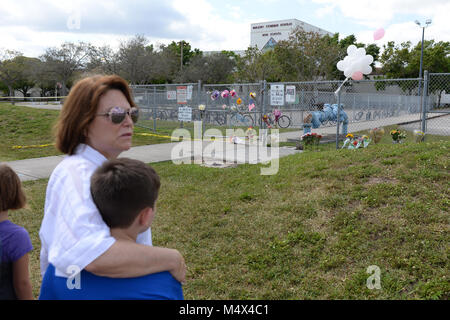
(355, 61)
(351, 49)
(367, 70)
(368, 59)
(360, 52)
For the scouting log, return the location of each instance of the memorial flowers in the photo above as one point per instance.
(311, 139)
(419, 136)
(351, 142)
(376, 134)
(397, 136)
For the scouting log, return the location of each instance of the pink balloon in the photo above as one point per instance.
(251, 107)
(377, 35)
(357, 75)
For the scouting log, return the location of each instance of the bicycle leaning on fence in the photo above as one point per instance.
(277, 118)
(240, 118)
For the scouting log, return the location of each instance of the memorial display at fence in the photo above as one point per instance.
(356, 63)
(290, 94)
(181, 95)
(354, 142)
(329, 113)
(376, 134)
(419, 136)
(398, 136)
(171, 95)
(215, 95)
(277, 94)
(185, 114)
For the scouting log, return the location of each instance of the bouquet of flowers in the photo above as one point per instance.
(311, 139)
(398, 136)
(201, 108)
(419, 136)
(352, 142)
(376, 134)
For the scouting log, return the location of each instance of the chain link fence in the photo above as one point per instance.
(406, 104)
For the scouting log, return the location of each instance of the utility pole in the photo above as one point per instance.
(181, 59)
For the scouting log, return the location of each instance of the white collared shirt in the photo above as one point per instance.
(73, 232)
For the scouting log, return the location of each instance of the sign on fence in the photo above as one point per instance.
(171, 95)
(184, 114)
(181, 95)
(290, 94)
(277, 94)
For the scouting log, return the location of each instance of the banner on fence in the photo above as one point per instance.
(181, 95)
(184, 114)
(277, 94)
(290, 94)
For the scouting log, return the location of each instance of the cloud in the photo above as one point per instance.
(395, 16)
(101, 16)
(31, 26)
(209, 29)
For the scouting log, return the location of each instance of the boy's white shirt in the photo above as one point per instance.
(72, 232)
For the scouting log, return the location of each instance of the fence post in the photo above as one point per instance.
(199, 100)
(337, 120)
(154, 109)
(263, 103)
(424, 101)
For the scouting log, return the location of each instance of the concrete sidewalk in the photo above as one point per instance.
(41, 168)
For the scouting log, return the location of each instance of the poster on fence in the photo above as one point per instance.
(181, 95)
(189, 92)
(171, 95)
(184, 114)
(290, 94)
(277, 94)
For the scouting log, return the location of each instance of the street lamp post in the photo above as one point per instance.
(427, 23)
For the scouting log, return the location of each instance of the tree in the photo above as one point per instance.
(257, 65)
(307, 56)
(214, 68)
(184, 48)
(27, 80)
(137, 60)
(103, 60)
(11, 68)
(63, 62)
(404, 61)
(42, 77)
(3, 87)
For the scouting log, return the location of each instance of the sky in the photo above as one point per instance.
(31, 26)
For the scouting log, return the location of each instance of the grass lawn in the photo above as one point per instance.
(27, 132)
(308, 232)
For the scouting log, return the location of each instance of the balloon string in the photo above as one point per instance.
(340, 87)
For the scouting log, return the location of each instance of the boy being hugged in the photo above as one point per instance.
(15, 243)
(125, 193)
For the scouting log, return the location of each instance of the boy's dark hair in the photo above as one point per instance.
(121, 188)
(12, 196)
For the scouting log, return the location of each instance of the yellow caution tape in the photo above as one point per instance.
(33, 146)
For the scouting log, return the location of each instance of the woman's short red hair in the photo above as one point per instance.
(80, 109)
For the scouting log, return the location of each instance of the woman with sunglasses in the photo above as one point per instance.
(96, 124)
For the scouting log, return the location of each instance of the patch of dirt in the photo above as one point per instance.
(377, 180)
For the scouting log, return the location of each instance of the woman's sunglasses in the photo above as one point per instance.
(118, 114)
